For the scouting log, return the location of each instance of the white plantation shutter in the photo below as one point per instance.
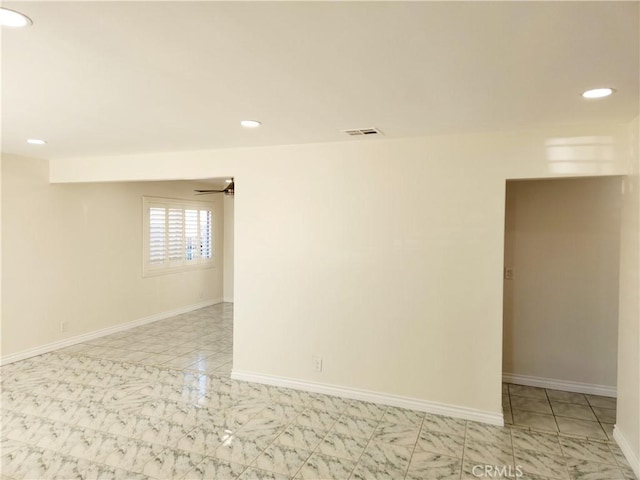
(157, 235)
(191, 237)
(205, 234)
(178, 235)
(175, 237)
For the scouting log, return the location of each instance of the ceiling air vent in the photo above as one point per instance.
(362, 131)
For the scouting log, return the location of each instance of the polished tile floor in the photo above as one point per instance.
(556, 411)
(156, 402)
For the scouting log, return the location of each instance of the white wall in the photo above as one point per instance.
(628, 414)
(384, 256)
(74, 253)
(228, 249)
(562, 240)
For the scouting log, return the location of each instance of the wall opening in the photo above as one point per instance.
(228, 271)
(560, 308)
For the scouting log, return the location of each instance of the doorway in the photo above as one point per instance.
(560, 309)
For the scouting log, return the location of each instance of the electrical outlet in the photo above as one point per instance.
(64, 326)
(317, 364)
(508, 273)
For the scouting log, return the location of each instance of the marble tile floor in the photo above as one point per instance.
(554, 411)
(157, 402)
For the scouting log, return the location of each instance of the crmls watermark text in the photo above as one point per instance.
(497, 471)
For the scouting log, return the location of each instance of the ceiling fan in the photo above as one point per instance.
(229, 190)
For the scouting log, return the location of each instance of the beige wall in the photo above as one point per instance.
(561, 307)
(1, 163)
(228, 249)
(628, 413)
(74, 253)
(384, 257)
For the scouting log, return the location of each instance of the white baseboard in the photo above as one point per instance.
(371, 396)
(557, 384)
(85, 337)
(629, 454)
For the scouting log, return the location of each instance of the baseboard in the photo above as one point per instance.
(67, 342)
(629, 454)
(557, 384)
(371, 396)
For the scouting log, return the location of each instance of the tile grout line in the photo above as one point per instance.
(322, 440)
(415, 445)
(464, 444)
(555, 418)
(369, 439)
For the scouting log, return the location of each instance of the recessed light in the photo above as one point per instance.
(250, 123)
(36, 141)
(598, 92)
(11, 18)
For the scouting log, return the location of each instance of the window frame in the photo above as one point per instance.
(166, 268)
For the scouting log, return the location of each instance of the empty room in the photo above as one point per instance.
(320, 240)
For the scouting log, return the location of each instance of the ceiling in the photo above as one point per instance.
(105, 78)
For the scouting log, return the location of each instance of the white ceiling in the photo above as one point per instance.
(102, 78)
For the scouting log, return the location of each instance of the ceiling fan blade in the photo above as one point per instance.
(228, 190)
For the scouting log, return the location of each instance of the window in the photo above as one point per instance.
(178, 235)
